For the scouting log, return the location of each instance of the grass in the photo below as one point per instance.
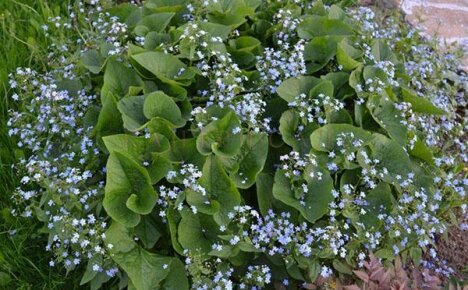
(23, 260)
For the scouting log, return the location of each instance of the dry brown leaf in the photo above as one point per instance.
(362, 275)
(351, 287)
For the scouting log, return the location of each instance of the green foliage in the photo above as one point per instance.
(219, 137)
(354, 140)
(23, 263)
(128, 192)
(198, 127)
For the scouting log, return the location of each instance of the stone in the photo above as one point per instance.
(446, 19)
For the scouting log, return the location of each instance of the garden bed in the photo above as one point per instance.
(240, 145)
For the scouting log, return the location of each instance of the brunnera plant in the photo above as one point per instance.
(244, 143)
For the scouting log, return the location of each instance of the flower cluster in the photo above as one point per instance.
(187, 176)
(286, 60)
(314, 109)
(61, 175)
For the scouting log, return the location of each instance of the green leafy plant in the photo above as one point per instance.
(244, 143)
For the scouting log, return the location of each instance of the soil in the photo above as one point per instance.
(454, 249)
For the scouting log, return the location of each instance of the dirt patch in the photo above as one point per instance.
(454, 249)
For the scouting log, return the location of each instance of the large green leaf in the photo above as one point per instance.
(230, 20)
(244, 50)
(379, 201)
(324, 87)
(158, 104)
(156, 22)
(173, 218)
(299, 140)
(421, 151)
(147, 231)
(220, 137)
(219, 187)
(314, 25)
(346, 56)
(147, 271)
(131, 109)
(266, 200)
(293, 87)
(128, 191)
(314, 203)
(338, 79)
(391, 156)
(185, 150)
(384, 112)
(165, 67)
(235, 7)
(382, 52)
(118, 79)
(144, 150)
(264, 186)
(319, 51)
(191, 233)
(93, 61)
(177, 277)
(137, 147)
(109, 121)
(374, 72)
(163, 127)
(250, 160)
(216, 29)
(419, 104)
(324, 138)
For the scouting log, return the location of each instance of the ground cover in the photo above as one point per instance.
(232, 144)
